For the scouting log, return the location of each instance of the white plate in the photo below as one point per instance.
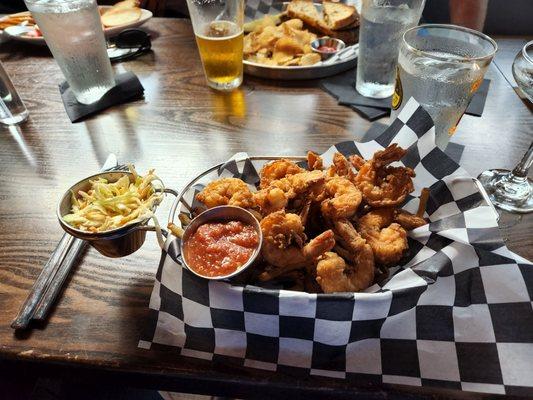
(17, 32)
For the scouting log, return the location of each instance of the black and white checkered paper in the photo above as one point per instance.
(457, 314)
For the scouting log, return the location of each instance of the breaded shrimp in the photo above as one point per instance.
(314, 161)
(276, 170)
(335, 275)
(387, 239)
(341, 167)
(276, 196)
(342, 198)
(226, 191)
(382, 185)
(283, 243)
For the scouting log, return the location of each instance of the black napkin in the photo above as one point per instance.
(128, 87)
(342, 87)
(477, 104)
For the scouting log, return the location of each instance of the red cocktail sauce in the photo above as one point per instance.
(327, 49)
(220, 248)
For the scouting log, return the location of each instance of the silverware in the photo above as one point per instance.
(47, 276)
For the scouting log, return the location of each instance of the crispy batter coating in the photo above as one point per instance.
(381, 184)
(226, 191)
(387, 239)
(283, 243)
(342, 198)
(276, 170)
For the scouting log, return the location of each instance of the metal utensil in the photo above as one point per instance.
(49, 270)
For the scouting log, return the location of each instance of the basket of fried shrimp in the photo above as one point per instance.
(326, 229)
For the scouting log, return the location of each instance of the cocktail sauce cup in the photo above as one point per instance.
(223, 214)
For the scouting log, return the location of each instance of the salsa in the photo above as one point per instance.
(327, 49)
(220, 248)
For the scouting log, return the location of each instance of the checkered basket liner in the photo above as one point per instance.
(456, 314)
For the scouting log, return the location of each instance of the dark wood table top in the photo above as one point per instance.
(180, 128)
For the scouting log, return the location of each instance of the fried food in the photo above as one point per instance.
(122, 13)
(387, 239)
(276, 170)
(283, 243)
(282, 45)
(342, 198)
(279, 192)
(314, 161)
(409, 221)
(334, 274)
(226, 191)
(381, 184)
(326, 230)
(120, 16)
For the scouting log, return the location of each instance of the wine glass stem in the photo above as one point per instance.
(522, 169)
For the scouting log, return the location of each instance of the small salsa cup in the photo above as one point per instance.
(222, 214)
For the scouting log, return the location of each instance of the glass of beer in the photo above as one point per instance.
(441, 66)
(218, 27)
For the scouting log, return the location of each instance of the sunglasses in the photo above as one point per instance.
(129, 43)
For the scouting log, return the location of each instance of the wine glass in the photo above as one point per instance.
(512, 190)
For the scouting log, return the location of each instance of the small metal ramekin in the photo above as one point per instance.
(118, 242)
(330, 42)
(222, 214)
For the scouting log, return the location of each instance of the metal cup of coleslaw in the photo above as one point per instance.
(118, 242)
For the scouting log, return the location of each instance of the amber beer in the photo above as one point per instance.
(220, 48)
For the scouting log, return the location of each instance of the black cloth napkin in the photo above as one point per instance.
(342, 87)
(128, 87)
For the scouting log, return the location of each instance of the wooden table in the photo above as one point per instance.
(180, 128)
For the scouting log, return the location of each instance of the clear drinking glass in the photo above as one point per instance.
(523, 70)
(218, 27)
(441, 66)
(383, 23)
(73, 32)
(12, 109)
(513, 190)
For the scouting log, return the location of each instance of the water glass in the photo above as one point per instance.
(73, 32)
(441, 66)
(382, 24)
(12, 109)
(218, 27)
(523, 70)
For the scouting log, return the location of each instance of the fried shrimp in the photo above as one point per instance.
(283, 243)
(226, 191)
(341, 167)
(381, 184)
(387, 239)
(314, 161)
(276, 196)
(342, 198)
(334, 274)
(276, 170)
